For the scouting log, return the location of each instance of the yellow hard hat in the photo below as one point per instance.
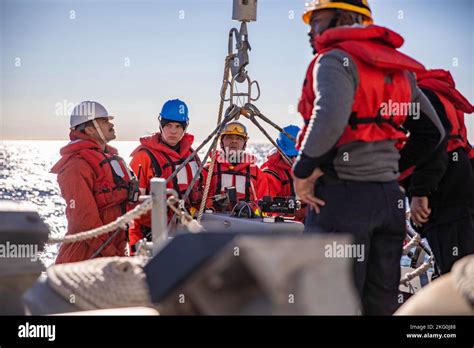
(357, 6)
(235, 128)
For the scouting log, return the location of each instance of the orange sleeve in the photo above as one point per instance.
(146, 174)
(146, 170)
(76, 181)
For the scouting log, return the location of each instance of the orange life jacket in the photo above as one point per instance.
(101, 195)
(113, 176)
(165, 161)
(455, 104)
(280, 180)
(243, 176)
(383, 82)
(279, 169)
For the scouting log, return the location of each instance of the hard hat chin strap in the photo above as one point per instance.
(99, 131)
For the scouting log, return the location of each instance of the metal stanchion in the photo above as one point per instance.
(159, 228)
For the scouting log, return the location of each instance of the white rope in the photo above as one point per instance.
(420, 270)
(416, 240)
(120, 222)
(210, 171)
(186, 219)
(105, 282)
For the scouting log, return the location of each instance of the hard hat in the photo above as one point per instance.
(175, 110)
(357, 6)
(87, 111)
(286, 144)
(235, 128)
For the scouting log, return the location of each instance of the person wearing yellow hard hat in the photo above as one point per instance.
(356, 6)
(234, 167)
(332, 13)
(349, 159)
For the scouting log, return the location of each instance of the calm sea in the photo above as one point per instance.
(25, 177)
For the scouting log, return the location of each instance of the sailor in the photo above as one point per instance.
(279, 172)
(354, 103)
(159, 154)
(234, 167)
(95, 183)
(471, 155)
(446, 215)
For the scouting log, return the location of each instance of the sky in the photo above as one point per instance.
(132, 56)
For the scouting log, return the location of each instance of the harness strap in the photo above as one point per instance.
(354, 121)
(157, 172)
(290, 182)
(248, 178)
(173, 167)
(118, 181)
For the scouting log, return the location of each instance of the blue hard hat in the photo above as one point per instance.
(175, 110)
(286, 144)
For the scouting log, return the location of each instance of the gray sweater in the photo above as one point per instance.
(335, 82)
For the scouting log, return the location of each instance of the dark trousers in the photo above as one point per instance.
(374, 214)
(450, 234)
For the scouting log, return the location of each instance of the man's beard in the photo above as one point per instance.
(312, 42)
(314, 47)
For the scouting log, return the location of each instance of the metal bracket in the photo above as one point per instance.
(247, 94)
(240, 59)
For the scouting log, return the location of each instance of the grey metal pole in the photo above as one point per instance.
(159, 225)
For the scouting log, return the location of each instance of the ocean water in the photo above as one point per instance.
(25, 177)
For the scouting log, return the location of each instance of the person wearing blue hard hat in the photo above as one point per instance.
(286, 144)
(174, 111)
(278, 171)
(159, 154)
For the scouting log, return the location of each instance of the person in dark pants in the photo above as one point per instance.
(367, 211)
(359, 98)
(446, 216)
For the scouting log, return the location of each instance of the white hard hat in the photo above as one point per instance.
(87, 111)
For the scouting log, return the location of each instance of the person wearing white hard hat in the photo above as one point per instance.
(95, 183)
(92, 119)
